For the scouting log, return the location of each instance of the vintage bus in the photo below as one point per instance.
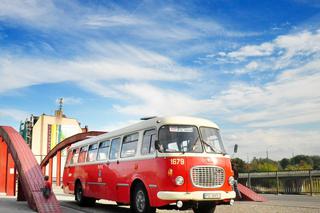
(161, 162)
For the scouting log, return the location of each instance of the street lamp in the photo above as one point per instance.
(267, 151)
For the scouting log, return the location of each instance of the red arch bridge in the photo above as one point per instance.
(17, 162)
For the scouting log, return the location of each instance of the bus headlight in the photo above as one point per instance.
(179, 180)
(231, 180)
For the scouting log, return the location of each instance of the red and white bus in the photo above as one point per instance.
(156, 163)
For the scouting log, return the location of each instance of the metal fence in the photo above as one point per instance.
(286, 182)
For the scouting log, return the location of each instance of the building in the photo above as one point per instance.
(44, 132)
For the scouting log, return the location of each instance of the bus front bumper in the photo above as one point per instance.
(197, 195)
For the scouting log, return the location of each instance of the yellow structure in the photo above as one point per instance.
(47, 131)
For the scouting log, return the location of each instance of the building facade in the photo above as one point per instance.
(44, 132)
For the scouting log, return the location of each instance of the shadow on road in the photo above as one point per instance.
(99, 207)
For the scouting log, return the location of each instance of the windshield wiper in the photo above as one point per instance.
(213, 149)
(195, 143)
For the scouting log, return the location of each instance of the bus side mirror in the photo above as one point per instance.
(157, 145)
(235, 149)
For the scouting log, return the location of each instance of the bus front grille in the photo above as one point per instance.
(207, 176)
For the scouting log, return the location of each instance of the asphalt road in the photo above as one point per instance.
(275, 203)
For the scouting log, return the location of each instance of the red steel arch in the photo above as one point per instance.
(67, 142)
(30, 174)
(60, 146)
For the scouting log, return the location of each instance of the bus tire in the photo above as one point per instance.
(140, 200)
(80, 198)
(204, 207)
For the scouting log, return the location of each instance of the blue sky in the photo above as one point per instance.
(252, 67)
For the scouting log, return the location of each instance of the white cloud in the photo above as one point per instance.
(300, 43)
(249, 68)
(127, 53)
(34, 13)
(162, 24)
(304, 42)
(265, 49)
(289, 100)
(100, 21)
(156, 101)
(292, 98)
(69, 16)
(252, 65)
(284, 52)
(280, 143)
(123, 62)
(310, 68)
(252, 105)
(15, 114)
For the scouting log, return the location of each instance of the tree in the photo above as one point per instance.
(263, 165)
(241, 165)
(284, 163)
(300, 162)
(298, 158)
(316, 161)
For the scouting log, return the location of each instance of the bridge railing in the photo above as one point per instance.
(287, 182)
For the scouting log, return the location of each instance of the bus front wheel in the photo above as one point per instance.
(204, 207)
(80, 198)
(140, 200)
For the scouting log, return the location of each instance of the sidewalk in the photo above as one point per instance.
(10, 205)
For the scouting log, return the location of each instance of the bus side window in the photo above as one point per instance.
(75, 154)
(69, 157)
(103, 150)
(92, 152)
(152, 141)
(83, 153)
(129, 145)
(148, 140)
(114, 151)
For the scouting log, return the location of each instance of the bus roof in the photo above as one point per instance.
(149, 123)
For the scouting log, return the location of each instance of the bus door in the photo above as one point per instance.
(127, 166)
(111, 176)
(149, 168)
(67, 175)
(102, 172)
(92, 171)
(70, 171)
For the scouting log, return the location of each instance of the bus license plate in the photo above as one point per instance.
(211, 196)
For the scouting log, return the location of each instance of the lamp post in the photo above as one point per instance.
(249, 179)
(267, 152)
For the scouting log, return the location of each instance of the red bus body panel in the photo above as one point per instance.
(112, 181)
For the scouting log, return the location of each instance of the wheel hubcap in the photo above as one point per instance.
(140, 201)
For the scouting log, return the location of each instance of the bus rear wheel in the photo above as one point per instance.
(80, 198)
(204, 207)
(140, 200)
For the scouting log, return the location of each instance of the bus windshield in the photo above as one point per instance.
(212, 140)
(179, 138)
